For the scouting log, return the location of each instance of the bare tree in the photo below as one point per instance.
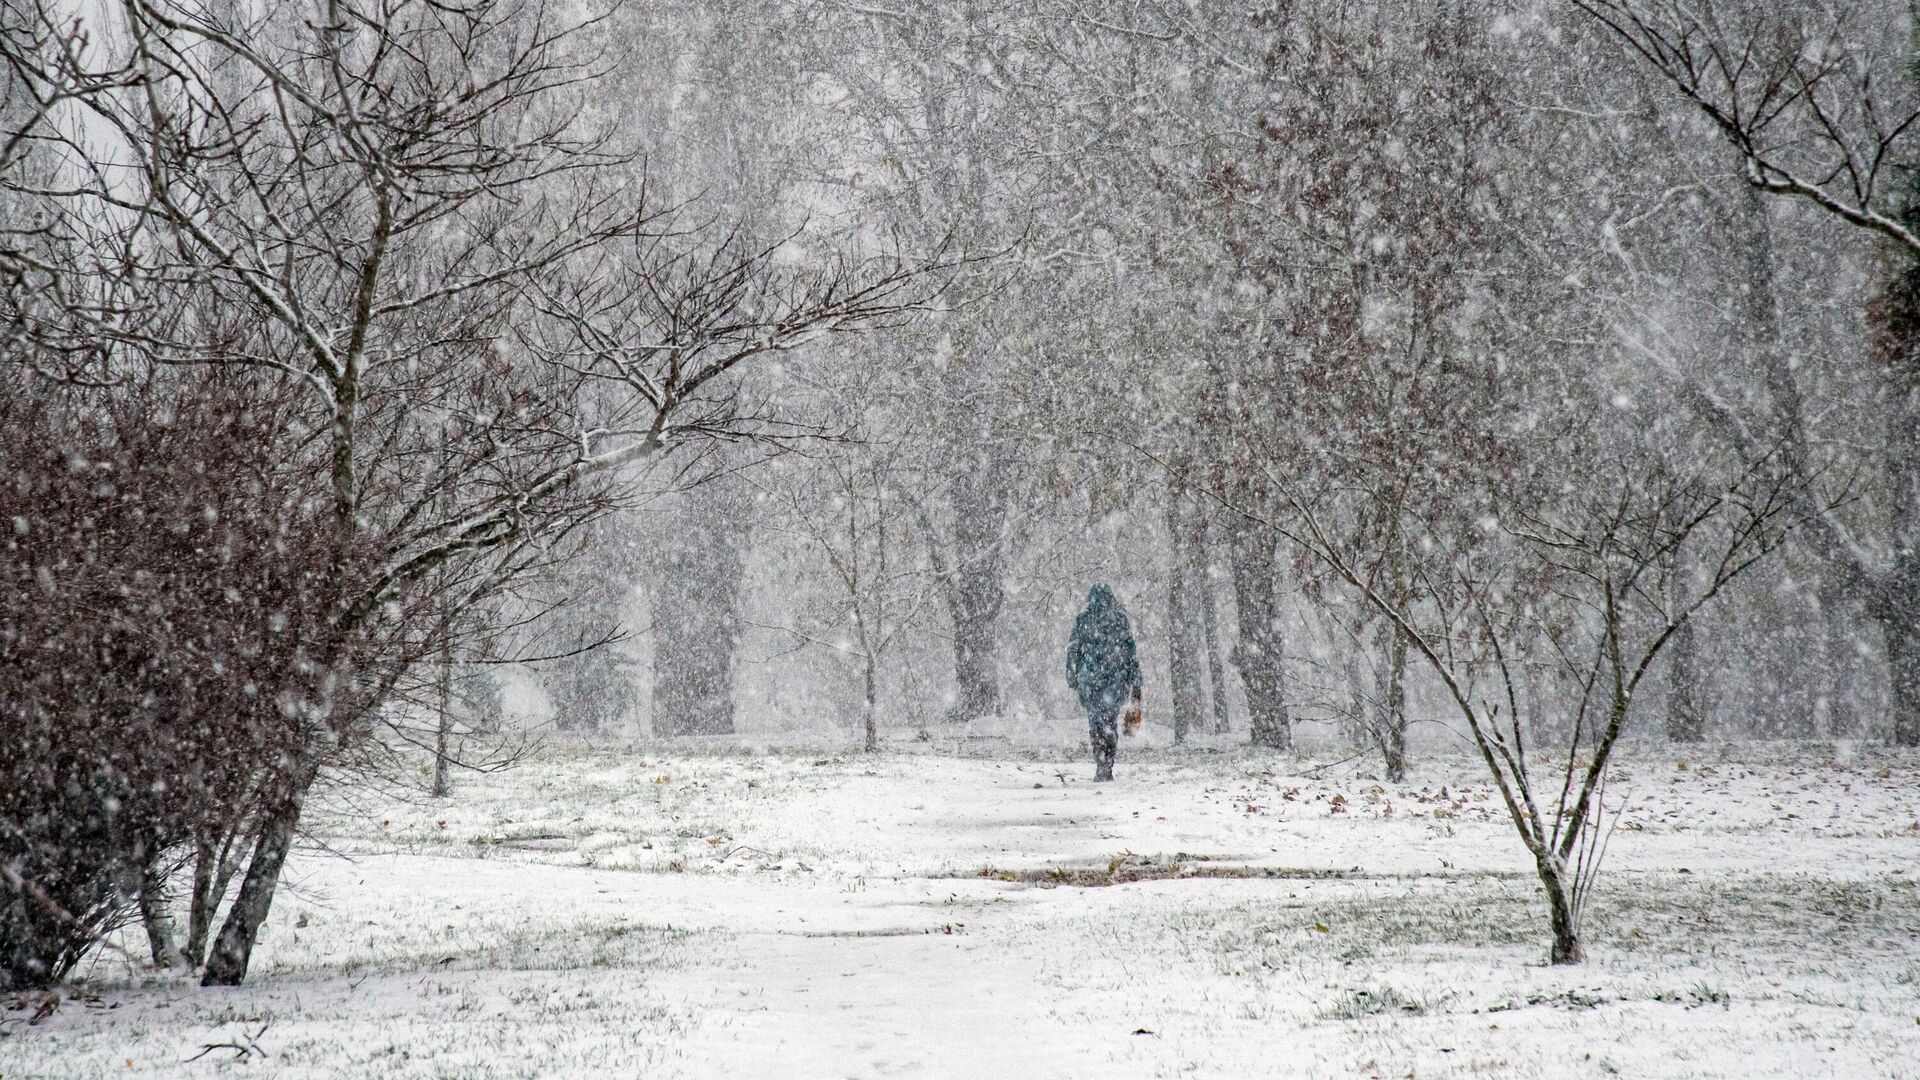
(1581, 586)
(852, 506)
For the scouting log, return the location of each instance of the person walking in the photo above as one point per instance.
(1103, 669)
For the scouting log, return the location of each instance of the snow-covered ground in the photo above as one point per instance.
(727, 912)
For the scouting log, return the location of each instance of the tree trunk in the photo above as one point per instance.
(1685, 721)
(1562, 914)
(1210, 636)
(155, 918)
(1184, 632)
(873, 716)
(974, 595)
(1843, 684)
(233, 950)
(1260, 654)
(1359, 727)
(1393, 706)
(869, 671)
(975, 457)
(1899, 599)
(1895, 320)
(1900, 621)
(976, 675)
(213, 869)
(1891, 594)
(1806, 693)
(696, 631)
(1790, 702)
(972, 592)
(445, 726)
(204, 902)
(1393, 736)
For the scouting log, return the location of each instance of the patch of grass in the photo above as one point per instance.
(1666, 915)
(1384, 1000)
(1795, 914)
(502, 944)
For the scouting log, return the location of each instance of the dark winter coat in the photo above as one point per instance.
(1102, 666)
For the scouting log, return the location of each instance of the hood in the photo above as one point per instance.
(1100, 599)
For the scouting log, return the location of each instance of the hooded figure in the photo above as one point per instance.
(1104, 671)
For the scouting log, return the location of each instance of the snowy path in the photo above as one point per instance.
(748, 916)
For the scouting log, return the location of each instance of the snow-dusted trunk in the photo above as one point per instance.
(1210, 633)
(1891, 591)
(871, 680)
(1393, 722)
(1896, 599)
(156, 919)
(211, 872)
(1563, 912)
(1185, 634)
(976, 678)
(869, 666)
(1391, 733)
(1686, 719)
(1896, 603)
(1766, 355)
(1686, 722)
(1898, 339)
(1843, 682)
(974, 593)
(233, 949)
(443, 727)
(970, 435)
(1903, 671)
(1903, 662)
(1260, 654)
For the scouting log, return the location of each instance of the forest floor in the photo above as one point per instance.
(731, 912)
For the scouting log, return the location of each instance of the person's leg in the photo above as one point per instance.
(1103, 729)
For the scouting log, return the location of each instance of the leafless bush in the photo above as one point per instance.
(1584, 586)
(155, 619)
